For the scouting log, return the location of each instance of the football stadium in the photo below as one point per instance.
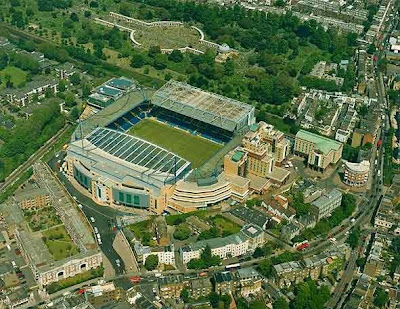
(146, 148)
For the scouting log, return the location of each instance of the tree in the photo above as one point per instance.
(381, 297)
(353, 238)
(154, 50)
(185, 295)
(151, 262)
(70, 99)
(371, 48)
(137, 61)
(74, 17)
(265, 268)
(214, 299)
(226, 299)
(182, 232)
(61, 86)
(280, 303)
(175, 56)
(75, 79)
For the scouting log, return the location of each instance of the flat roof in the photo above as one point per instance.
(120, 83)
(109, 91)
(327, 198)
(208, 107)
(322, 143)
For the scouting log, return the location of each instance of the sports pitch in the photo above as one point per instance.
(196, 150)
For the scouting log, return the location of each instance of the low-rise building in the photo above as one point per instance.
(326, 204)
(356, 174)
(279, 208)
(171, 286)
(290, 231)
(251, 215)
(101, 295)
(249, 238)
(200, 287)
(166, 255)
(224, 282)
(319, 151)
(32, 196)
(249, 281)
(37, 87)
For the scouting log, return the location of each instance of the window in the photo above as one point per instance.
(136, 200)
(129, 199)
(121, 196)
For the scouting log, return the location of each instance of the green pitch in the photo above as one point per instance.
(195, 149)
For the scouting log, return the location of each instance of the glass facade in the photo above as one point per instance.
(84, 180)
(131, 198)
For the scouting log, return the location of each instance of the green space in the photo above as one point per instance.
(192, 148)
(71, 281)
(41, 219)
(59, 243)
(182, 231)
(180, 218)
(143, 231)
(14, 75)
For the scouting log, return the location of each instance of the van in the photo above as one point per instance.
(14, 264)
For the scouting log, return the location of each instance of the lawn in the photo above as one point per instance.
(17, 75)
(196, 150)
(226, 226)
(59, 243)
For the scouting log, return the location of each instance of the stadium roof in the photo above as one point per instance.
(207, 107)
(122, 157)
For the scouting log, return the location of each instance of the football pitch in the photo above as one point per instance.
(195, 149)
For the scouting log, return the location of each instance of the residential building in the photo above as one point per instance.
(249, 281)
(171, 286)
(251, 215)
(32, 196)
(290, 231)
(166, 255)
(326, 204)
(65, 70)
(101, 295)
(319, 151)
(311, 193)
(200, 287)
(37, 87)
(396, 275)
(356, 174)
(249, 238)
(279, 208)
(224, 282)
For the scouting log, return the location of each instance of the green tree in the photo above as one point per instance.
(353, 238)
(75, 79)
(182, 232)
(137, 61)
(280, 303)
(265, 268)
(371, 49)
(151, 262)
(70, 99)
(214, 299)
(381, 297)
(185, 295)
(176, 56)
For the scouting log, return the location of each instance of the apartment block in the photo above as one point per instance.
(200, 287)
(319, 151)
(171, 286)
(326, 204)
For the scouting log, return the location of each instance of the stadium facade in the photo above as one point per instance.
(118, 169)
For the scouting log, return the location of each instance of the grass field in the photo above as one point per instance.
(59, 243)
(17, 75)
(192, 148)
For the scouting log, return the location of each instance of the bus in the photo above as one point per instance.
(232, 266)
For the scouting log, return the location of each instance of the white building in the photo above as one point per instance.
(326, 204)
(235, 245)
(165, 255)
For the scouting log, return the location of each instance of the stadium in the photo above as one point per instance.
(160, 153)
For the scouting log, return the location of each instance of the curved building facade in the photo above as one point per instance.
(356, 174)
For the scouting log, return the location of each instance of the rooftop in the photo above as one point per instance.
(322, 143)
(208, 107)
(327, 198)
(250, 215)
(124, 156)
(120, 83)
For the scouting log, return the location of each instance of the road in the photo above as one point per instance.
(103, 220)
(13, 177)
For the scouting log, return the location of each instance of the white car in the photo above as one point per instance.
(80, 206)
(99, 241)
(96, 230)
(92, 220)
